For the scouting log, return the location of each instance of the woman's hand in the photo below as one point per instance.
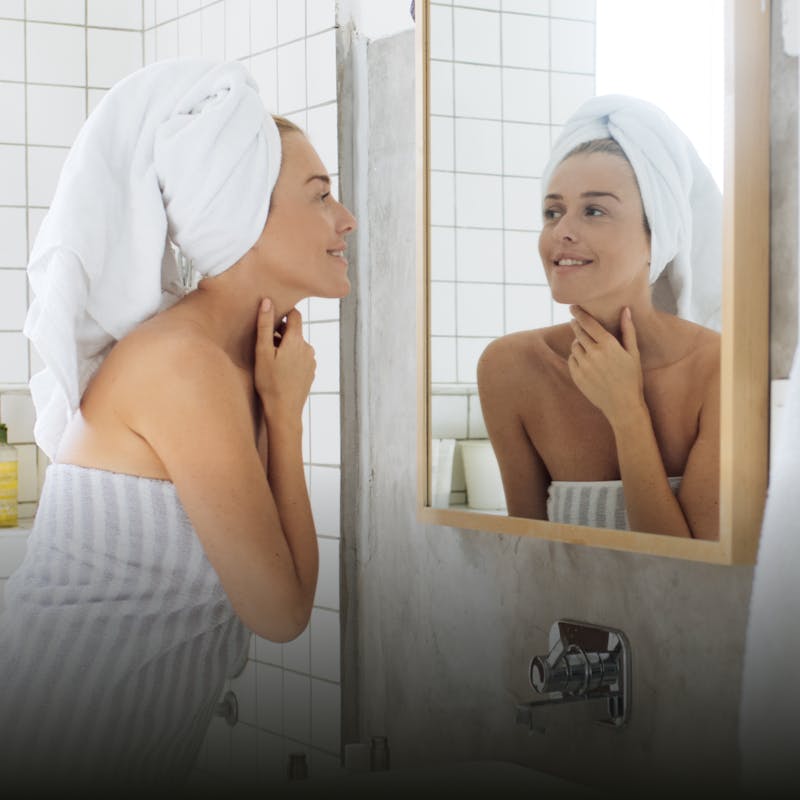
(284, 370)
(609, 373)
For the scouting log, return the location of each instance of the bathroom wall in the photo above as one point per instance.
(440, 624)
(57, 59)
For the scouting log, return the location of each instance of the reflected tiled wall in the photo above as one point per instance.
(57, 59)
(505, 74)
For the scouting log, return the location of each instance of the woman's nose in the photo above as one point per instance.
(564, 229)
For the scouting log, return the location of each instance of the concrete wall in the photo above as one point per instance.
(439, 624)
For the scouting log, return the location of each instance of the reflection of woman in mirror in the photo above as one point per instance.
(612, 420)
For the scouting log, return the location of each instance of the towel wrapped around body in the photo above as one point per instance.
(116, 639)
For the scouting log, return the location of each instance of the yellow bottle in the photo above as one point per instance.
(9, 481)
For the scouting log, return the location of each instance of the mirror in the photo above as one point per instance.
(498, 80)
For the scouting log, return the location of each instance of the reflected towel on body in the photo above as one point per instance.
(682, 203)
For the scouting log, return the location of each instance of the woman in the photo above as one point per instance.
(175, 518)
(612, 420)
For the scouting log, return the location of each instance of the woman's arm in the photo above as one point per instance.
(190, 405)
(609, 374)
(525, 478)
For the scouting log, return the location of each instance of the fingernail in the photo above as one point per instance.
(266, 304)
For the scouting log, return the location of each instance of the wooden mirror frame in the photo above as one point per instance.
(744, 412)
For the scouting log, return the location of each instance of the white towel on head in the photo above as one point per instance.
(682, 203)
(178, 149)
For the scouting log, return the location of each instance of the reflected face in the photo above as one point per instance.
(303, 242)
(593, 244)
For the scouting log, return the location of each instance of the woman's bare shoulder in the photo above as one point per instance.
(526, 349)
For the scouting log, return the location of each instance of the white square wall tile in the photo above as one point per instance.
(320, 15)
(443, 308)
(469, 351)
(35, 217)
(12, 120)
(442, 153)
(188, 6)
(477, 425)
(441, 88)
(167, 41)
(326, 712)
(480, 309)
(149, 47)
(69, 11)
(522, 200)
(523, 263)
(55, 114)
(479, 201)
(526, 41)
(12, 175)
(13, 299)
(489, 4)
(269, 691)
(264, 69)
(321, 68)
(328, 581)
(149, 10)
(14, 9)
(443, 254)
(476, 36)
(263, 25)
(323, 309)
(527, 307)
(268, 652)
(56, 54)
(297, 653)
(291, 77)
(324, 490)
(297, 706)
(13, 358)
(244, 755)
(12, 50)
(214, 32)
(575, 9)
(443, 198)
(325, 644)
(528, 6)
(568, 93)
(291, 20)
(166, 10)
(13, 236)
(44, 168)
(526, 149)
(244, 687)
(526, 95)
(573, 45)
(477, 91)
(479, 146)
(322, 130)
(443, 359)
(325, 429)
(237, 29)
(324, 338)
(441, 33)
(448, 416)
(190, 36)
(480, 254)
(115, 14)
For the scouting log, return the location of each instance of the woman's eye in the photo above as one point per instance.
(551, 213)
(325, 196)
(593, 211)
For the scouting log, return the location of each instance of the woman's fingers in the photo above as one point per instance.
(265, 327)
(589, 324)
(628, 332)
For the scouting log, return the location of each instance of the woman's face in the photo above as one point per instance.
(303, 242)
(593, 244)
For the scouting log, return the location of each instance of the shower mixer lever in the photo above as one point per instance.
(585, 662)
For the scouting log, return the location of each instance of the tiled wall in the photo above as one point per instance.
(57, 58)
(505, 74)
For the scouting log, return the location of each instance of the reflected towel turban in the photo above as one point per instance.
(682, 203)
(179, 150)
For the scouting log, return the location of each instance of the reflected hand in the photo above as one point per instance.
(607, 372)
(284, 363)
